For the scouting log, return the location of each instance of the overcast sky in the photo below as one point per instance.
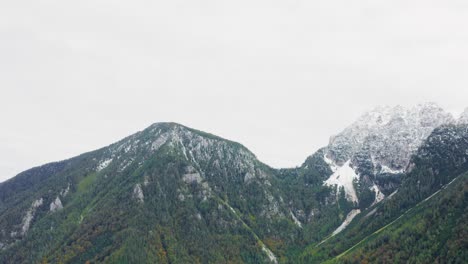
(279, 77)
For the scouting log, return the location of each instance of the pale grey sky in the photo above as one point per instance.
(279, 77)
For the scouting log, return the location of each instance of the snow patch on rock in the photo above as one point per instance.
(392, 194)
(379, 196)
(104, 164)
(124, 164)
(270, 254)
(330, 163)
(347, 221)
(371, 212)
(296, 221)
(386, 169)
(344, 176)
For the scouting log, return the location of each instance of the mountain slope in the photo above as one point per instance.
(166, 194)
(440, 160)
(436, 230)
(168, 185)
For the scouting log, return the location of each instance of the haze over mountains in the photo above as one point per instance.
(172, 194)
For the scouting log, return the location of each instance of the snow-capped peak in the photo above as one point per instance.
(389, 134)
(463, 119)
(381, 143)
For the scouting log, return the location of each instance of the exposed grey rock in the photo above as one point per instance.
(138, 193)
(64, 192)
(27, 219)
(248, 176)
(192, 176)
(56, 205)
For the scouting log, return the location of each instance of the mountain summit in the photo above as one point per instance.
(386, 131)
(379, 146)
(463, 119)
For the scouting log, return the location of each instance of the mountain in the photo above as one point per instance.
(431, 205)
(419, 221)
(173, 194)
(368, 157)
(192, 196)
(168, 186)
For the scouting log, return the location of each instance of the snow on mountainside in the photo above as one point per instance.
(463, 119)
(389, 130)
(344, 177)
(381, 142)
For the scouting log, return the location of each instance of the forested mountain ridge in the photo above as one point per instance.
(171, 185)
(172, 194)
